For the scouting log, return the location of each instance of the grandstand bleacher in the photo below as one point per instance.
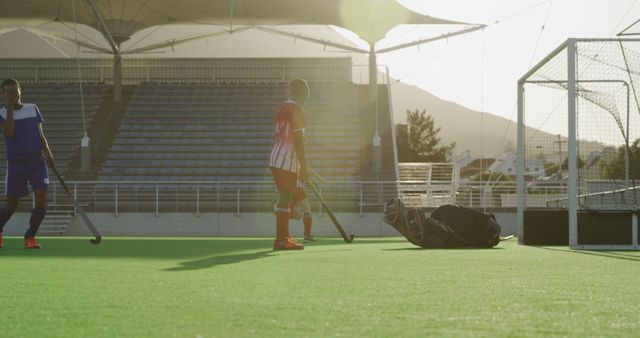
(219, 131)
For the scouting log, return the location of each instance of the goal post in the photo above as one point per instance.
(578, 114)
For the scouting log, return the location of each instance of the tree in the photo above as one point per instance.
(580, 164)
(614, 169)
(418, 140)
(402, 142)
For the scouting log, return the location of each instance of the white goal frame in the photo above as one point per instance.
(570, 46)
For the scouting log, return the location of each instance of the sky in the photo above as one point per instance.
(480, 70)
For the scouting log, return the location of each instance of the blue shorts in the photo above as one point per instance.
(31, 168)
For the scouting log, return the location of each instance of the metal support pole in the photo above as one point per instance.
(238, 202)
(75, 196)
(218, 197)
(95, 198)
(117, 77)
(320, 203)
(373, 103)
(361, 200)
(520, 166)
(634, 228)
(198, 199)
(627, 151)
(116, 192)
(157, 201)
(218, 208)
(572, 144)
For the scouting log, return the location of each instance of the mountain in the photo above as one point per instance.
(458, 124)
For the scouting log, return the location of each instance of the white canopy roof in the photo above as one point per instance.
(370, 19)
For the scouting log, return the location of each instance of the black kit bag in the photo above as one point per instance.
(449, 226)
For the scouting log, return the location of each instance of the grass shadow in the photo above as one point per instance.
(356, 241)
(213, 261)
(606, 254)
(210, 262)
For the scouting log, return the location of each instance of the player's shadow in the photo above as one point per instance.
(213, 261)
(326, 241)
(606, 254)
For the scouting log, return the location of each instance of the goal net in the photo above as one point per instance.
(578, 115)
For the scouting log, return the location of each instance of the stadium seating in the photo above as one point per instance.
(223, 132)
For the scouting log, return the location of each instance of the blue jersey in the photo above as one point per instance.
(26, 137)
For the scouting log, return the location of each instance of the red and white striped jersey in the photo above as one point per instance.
(283, 154)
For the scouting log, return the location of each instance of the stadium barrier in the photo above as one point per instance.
(257, 196)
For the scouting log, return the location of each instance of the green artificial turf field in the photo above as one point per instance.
(233, 287)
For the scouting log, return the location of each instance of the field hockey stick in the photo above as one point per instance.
(316, 175)
(335, 221)
(83, 215)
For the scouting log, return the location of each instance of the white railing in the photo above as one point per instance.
(135, 71)
(257, 196)
(619, 199)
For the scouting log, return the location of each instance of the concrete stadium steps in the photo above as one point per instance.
(56, 222)
(101, 131)
(59, 215)
(208, 130)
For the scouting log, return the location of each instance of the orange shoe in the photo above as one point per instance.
(287, 244)
(1, 240)
(30, 243)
